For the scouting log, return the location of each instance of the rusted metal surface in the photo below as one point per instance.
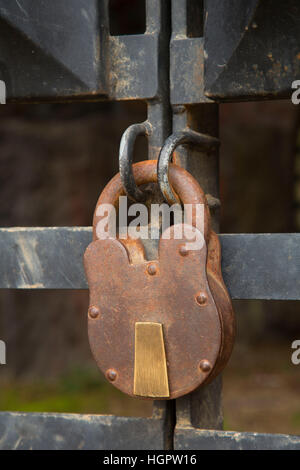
(186, 89)
(183, 183)
(51, 258)
(223, 303)
(177, 290)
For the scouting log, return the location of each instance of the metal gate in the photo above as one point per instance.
(182, 67)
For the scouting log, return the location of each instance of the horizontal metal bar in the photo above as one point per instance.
(262, 266)
(51, 431)
(255, 266)
(43, 257)
(196, 439)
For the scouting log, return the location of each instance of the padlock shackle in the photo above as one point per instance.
(185, 185)
(126, 156)
(204, 142)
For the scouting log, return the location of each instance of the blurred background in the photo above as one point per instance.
(54, 161)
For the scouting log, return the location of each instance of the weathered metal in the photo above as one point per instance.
(190, 438)
(53, 50)
(66, 431)
(260, 62)
(165, 291)
(251, 51)
(244, 53)
(91, 65)
(259, 57)
(187, 89)
(126, 156)
(61, 431)
(204, 143)
(51, 258)
(186, 54)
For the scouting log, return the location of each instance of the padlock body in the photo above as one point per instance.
(159, 328)
(172, 291)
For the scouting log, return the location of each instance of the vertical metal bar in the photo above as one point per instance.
(201, 408)
(158, 14)
(158, 21)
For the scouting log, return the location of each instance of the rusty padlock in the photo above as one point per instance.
(158, 328)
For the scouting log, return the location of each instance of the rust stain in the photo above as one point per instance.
(122, 289)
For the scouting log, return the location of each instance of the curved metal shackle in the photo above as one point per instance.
(204, 142)
(126, 156)
(145, 172)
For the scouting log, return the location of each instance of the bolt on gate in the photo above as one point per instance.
(192, 56)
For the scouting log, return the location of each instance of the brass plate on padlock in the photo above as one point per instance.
(150, 367)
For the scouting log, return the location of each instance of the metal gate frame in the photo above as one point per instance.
(176, 97)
